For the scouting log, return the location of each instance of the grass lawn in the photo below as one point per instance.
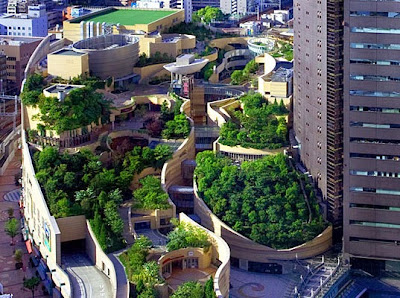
(129, 17)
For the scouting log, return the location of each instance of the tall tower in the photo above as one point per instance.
(372, 134)
(318, 102)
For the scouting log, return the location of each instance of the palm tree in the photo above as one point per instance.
(12, 229)
(31, 284)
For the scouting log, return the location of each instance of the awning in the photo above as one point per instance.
(28, 244)
(42, 271)
(34, 261)
(49, 286)
(36, 251)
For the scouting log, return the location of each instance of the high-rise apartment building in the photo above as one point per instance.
(372, 134)
(18, 51)
(318, 103)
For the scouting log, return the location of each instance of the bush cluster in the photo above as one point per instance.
(262, 200)
(79, 108)
(186, 235)
(195, 289)
(257, 125)
(145, 275)
(240, 76)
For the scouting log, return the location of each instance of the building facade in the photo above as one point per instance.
(18, 51)
(318, 102)
(32, 24)
(371, 135)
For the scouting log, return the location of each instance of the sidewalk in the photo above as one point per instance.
(11, 278)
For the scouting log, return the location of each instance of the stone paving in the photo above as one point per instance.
(11, 278)
(258, 285)
(179, 276)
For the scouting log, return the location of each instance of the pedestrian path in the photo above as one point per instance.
(12, 196)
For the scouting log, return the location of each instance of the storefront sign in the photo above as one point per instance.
(47, 240)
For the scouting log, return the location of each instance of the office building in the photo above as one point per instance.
(197, 4)
(34, 23)
(18, 51)
(318, 103)
(3, 6)
(114, 20)
(371, 135)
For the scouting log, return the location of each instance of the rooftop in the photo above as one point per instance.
(129, 17)
(65, 88)
(16, 41)
(282, 75)
(67, 52)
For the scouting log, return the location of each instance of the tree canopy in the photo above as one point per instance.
(150, 195)
(186, 235)
(238, 77)
(208, 14)
(195, 289)
(81, 107)
(144, 274)
(79, 184)
(262, 200)
(257, 126)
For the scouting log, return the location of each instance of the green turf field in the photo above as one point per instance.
(129, 17)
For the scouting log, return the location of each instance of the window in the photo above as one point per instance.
(374, 30)
(375, 224)
(375, 46)
(374, 93)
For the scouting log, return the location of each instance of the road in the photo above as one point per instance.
(87, 280)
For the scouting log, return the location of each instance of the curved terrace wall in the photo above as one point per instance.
(220, 251)
(244, 248)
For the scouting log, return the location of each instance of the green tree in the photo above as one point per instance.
(12, 229)
(185, 235)
(189, 289)
(113, 218)
(150, 195)
(209, 289)
(33, 82)
(237, 77)
(162, 153)
(31, 284)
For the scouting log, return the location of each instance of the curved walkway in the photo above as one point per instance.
(87, 280)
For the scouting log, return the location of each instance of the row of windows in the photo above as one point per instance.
(375, 109)
(375, 174)
(375, 207)
(373, 125)
(376, 190)
(18, 28)
(19, 33)
(374, 93)
(375, 156)
(360, 239)
(386, 14)
(374, 141)
(374, 30)
(375, 224)
(374, 62)
(374, 78)
(375, 46)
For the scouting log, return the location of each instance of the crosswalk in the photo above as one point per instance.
(12, 196)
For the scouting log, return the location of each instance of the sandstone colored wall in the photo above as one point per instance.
(220, 252)
(67, 66)
(171, 173)
(155, 70)
(99, 258)
(72, 228)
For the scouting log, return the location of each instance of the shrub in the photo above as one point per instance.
(185, 235)
(262, 199)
